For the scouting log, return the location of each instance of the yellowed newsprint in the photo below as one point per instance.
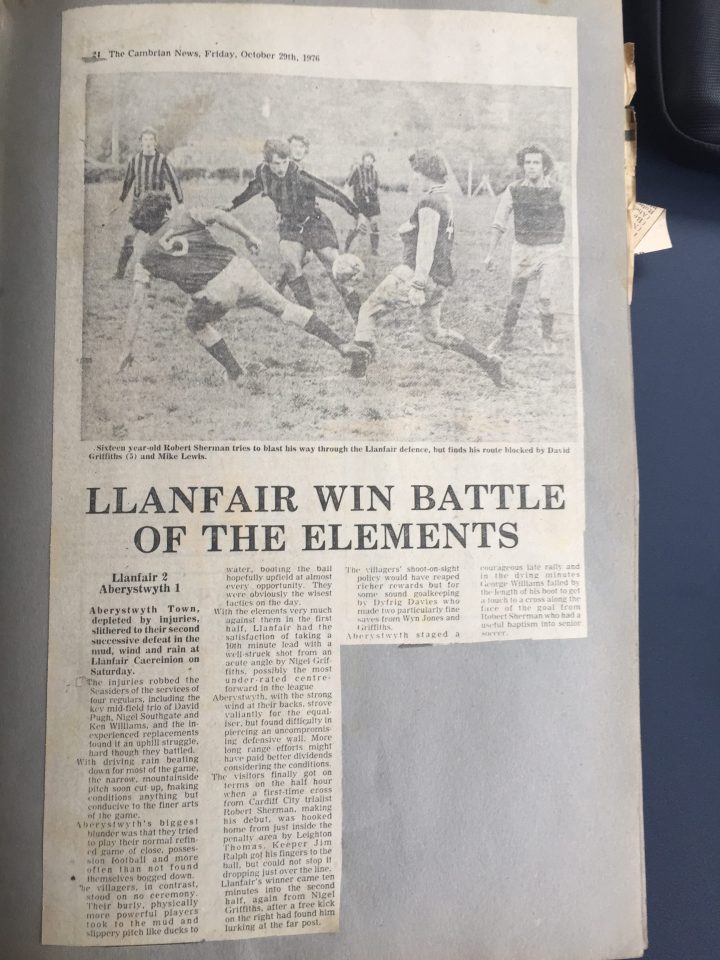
(317, 382)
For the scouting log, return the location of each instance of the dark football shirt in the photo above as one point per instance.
(442, 270)
(184, 251)
(539, 214)
(295, 195)
(150, 172)
(365, 183)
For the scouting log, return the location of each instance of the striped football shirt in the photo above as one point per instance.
(364, 182)
(150, 172)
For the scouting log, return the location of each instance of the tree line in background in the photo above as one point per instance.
(214, 126)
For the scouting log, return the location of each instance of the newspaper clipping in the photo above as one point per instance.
(317, 383)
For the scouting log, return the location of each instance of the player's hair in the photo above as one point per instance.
(150, 211)
(430, 164)
(368, 153)
(547, 160)
(276, 147)
(151, 130)
(301, 138)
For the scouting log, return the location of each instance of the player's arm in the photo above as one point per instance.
(348, 186)
(429, 223)
(173, 180)
(225, 219)
(564, 200)
(499, 224)
(326, 191)
(134, 317)
(253, 189)
(128, 181)
(495, 236)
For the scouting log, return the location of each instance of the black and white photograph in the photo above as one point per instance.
(273, 257)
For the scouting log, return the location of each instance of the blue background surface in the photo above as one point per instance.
(676, 342)
(676, 345)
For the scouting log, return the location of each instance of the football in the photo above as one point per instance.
(348, 267)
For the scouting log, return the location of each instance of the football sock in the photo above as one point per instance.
(517, 292)
(374, 240)
(300, 288)
(547, 321)
(359, 365)
(349, 240)
(221, 352)
(490, 366)
(511, 316)
(352, 302)
(318, 328)
(124, 259)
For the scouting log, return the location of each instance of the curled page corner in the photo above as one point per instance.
(649, 229)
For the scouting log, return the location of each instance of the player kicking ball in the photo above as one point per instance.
(302, 225)
(183, 250)
(425, 276)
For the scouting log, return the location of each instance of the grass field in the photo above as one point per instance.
(297, 388)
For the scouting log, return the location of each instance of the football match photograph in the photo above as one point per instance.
(285, 258)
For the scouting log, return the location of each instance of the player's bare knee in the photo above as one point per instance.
(294, 313)
(292, 266)
(200, 313)
(371, 309)
(292, 271)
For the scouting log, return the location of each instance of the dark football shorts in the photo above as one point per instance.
(369, 208)
(134, 208)
(314, 233)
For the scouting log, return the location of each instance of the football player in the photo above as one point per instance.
(364, 182)
(302, 225)
(299, 148)
(426, 274)
(147, 170)
(183, 250)
(539, 219)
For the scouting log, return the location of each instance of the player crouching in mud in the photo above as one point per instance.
(423, 279)
(182, 249)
